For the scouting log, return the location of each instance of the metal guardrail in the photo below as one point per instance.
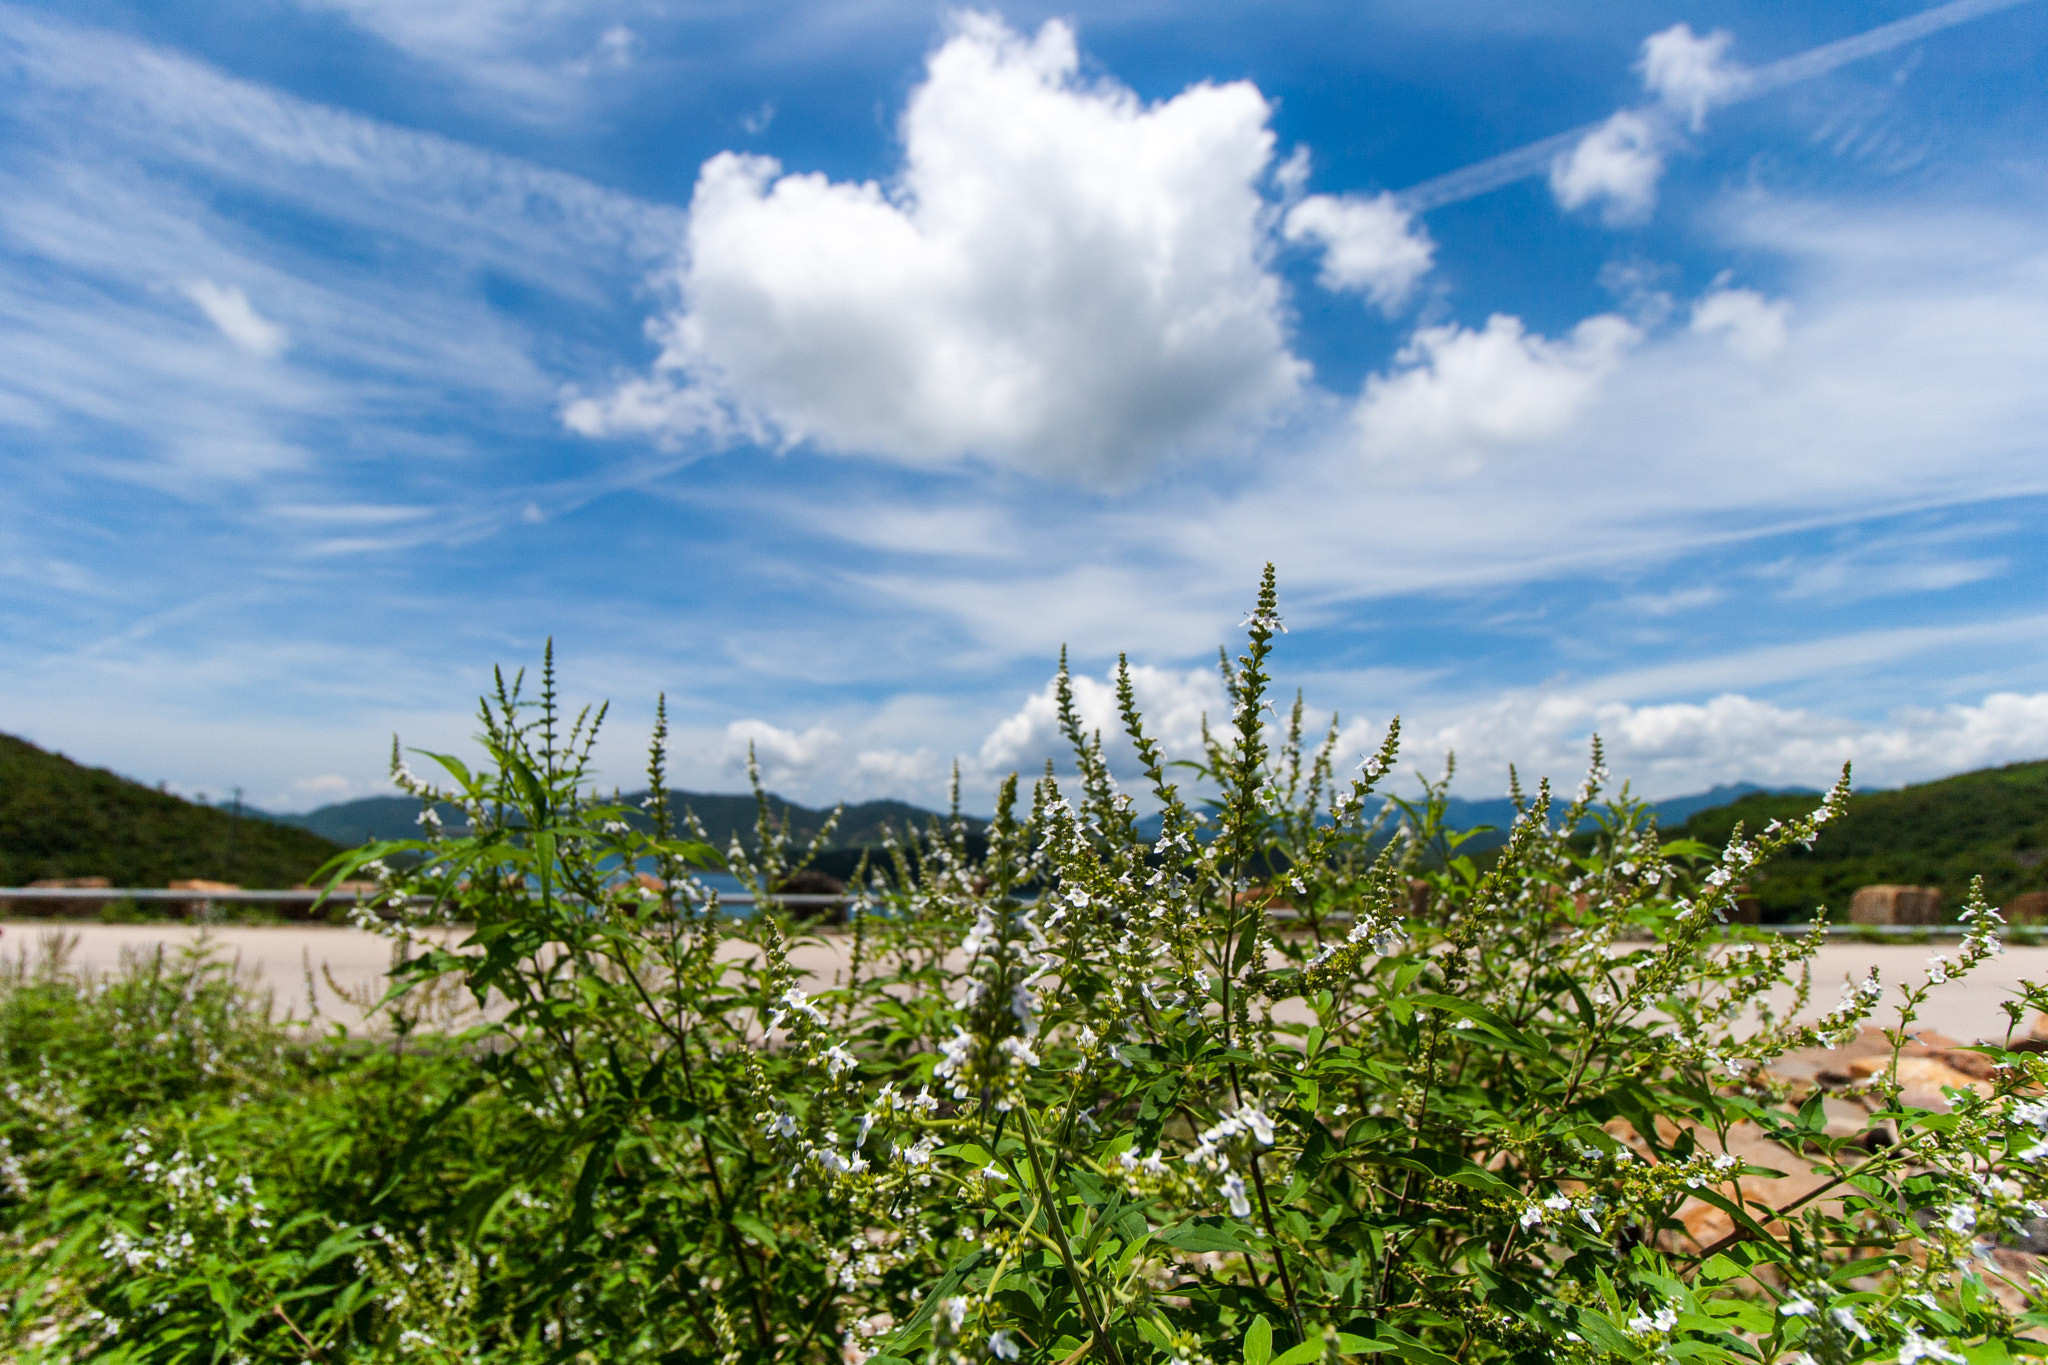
(794, 900)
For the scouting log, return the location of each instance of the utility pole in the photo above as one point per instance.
(234, 826)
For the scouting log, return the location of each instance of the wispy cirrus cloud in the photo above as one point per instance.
(1034, 374)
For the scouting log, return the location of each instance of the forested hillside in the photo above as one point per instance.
(62, 819)
(1993, 822)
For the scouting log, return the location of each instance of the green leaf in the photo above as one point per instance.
(1309, 1350)
(1315, 1152)
(756, 1229)
(1389, 1340)
(1718, 1267)
(1447, 1166)
(1708, 1195)
(1597, 1328)
(1480, 1015)
(1202, 1235)
(1258, 1342)
(943, 1290)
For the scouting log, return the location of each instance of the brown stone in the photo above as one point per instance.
(1896, 905)
(2028, 907)
(809, 881)
(66, 908)
(1922, 1079)
(1418, 898)
(198, 909)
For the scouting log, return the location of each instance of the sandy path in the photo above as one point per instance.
(286, 958)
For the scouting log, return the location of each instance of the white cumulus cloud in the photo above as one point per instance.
(1172, 703)
(1616, 165)
(1690, 73)
(1455, 391)
(784, 755)
(1752, 326)
(1675, 747)
(1372, 245)
(1062, 279)
(229, 309)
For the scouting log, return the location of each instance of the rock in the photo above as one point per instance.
(199, 909)
(1418, 898)
(1896, 905)
(1923, 1078)
(65, 908)
(809, 881)
(2029, 907)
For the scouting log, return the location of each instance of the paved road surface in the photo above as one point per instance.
(287, 958)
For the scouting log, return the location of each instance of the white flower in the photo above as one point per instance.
(838, 1060)
(1021, 1006)
(1961, 1218)
(1666, 1319)
(955, 1309)
(1844, 1317)
(1233, 1190)
(1002, 1345)
(1918, 1348)
(1798, 1306)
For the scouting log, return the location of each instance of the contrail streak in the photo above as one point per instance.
(1484, 177)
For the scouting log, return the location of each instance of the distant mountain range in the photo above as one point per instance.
(723, 816)
(861, 826)
(62, 819)
(1499, 813)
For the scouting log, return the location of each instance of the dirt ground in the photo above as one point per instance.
(344, 968)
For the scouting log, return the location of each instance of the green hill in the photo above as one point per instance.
(1993, 822)
(62, 819)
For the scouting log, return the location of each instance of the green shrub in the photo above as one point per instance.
(1294, 1081)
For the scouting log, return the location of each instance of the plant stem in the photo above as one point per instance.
(1059, 1232)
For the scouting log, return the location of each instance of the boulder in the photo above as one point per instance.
(1896, 905)
(1922, 1079)
(809, 881)
(199, 909)
(2028, 907)
(67, 907)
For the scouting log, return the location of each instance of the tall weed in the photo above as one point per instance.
(1295, 1079)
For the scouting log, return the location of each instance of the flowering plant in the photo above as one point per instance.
(1295, 1077)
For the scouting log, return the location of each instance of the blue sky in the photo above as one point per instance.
(828, 366)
